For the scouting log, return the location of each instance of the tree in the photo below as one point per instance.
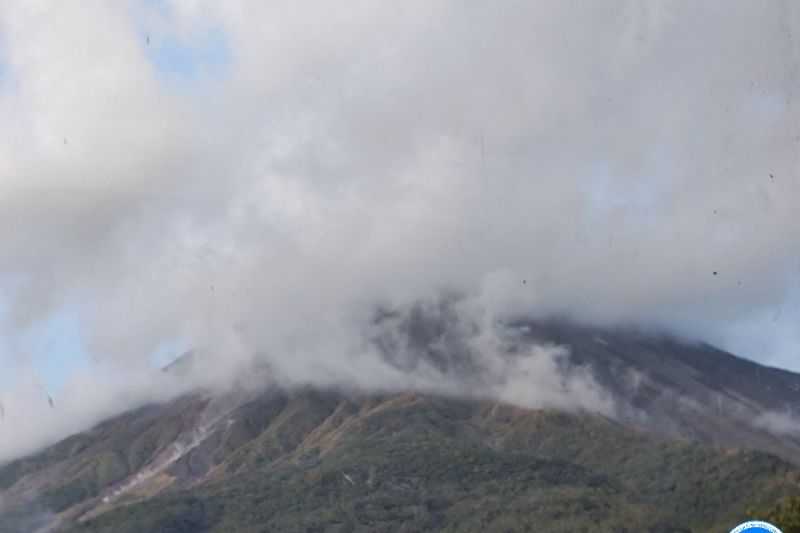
(785, 515)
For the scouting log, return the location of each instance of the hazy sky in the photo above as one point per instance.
(258, 176)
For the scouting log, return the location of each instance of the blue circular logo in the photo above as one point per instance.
(755, 527)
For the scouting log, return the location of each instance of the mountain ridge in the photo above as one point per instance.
(668, 460)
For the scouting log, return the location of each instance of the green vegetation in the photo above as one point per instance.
(785, 514)
(315, 460)
(321, 463)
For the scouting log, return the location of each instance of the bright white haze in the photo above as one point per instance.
(255, 177)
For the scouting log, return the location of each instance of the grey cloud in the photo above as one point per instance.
(614, 156)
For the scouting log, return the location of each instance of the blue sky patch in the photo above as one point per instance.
(188, 59)
(5, 70)
(54, 351)
(57, 349)
(168, 352)
(205, 57)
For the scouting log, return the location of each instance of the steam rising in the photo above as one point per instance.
(600, 161)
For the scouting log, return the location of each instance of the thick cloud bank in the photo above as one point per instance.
(261, 177)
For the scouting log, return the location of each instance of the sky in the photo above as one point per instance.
(256, 178)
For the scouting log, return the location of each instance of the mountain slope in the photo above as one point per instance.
(685, 390)
(331, 460)
(324, 461)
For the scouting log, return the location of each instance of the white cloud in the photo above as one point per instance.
(613, 156)
(778, 423)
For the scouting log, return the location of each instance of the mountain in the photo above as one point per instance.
(697, 437)
(686, 390)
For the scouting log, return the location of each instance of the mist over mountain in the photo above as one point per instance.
(553, 207)
(565, 426)
(225, 177)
